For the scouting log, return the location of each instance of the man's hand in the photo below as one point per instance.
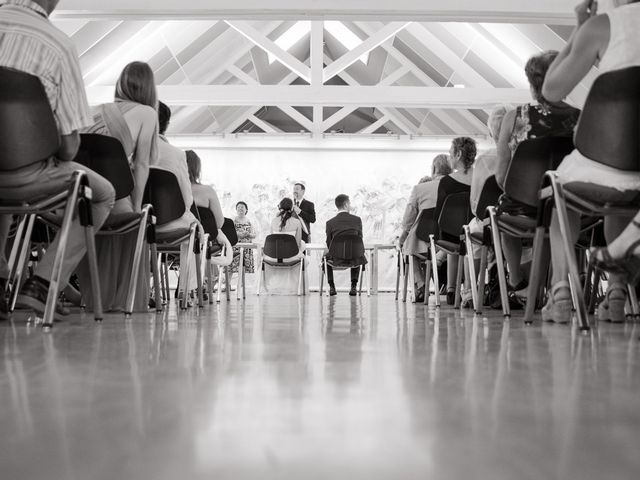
(296, 209)
(585, 10)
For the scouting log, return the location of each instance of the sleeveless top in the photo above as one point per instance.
(623, 49)
(535, 120)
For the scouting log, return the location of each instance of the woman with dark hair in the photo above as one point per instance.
(203, 195)
(246, 234)
(543, 118)
(429, 197)
(287, 221)
(132, 118)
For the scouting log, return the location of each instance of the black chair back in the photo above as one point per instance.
(489, 196)
(29, 130)
(609, 126)
(346, 246)
(106, 156)
(427, 225)
(455, 214)
(163, 192)
(280, 246)
(208, 222)
(530, 161)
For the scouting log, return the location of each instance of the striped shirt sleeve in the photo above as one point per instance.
(72, 110)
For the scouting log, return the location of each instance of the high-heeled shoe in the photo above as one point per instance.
(628, 265)
(611, 309)
(559, 307)
(451, 296)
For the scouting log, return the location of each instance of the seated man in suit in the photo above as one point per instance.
(344, 222)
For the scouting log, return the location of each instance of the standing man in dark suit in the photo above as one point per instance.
(304, 209)
(344, 222)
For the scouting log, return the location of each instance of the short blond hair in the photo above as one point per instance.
(495, 120)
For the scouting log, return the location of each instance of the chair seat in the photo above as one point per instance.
(173, 236)
(33, 192)
(451, 247)
(603, 194)
(517, 222)
(284, 263)
(119, 220)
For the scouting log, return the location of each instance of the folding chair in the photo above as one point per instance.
(163, 192)
(106, 156)
(489, 196)
(282, 248)
(608, 133)
(346, 252)
(530, 160)
(30, 135)
(455, 214)
(220, 255)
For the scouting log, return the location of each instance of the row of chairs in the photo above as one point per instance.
(533, 186)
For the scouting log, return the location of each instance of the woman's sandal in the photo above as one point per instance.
(559, 306)
(611, 309)
(628, 265)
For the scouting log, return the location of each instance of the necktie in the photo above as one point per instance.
(297, 203)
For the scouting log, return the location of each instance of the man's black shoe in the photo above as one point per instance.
(33, 296)
(420, 295)
(332, 291)
(353, 292)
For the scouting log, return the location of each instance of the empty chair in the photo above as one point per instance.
(281, 250)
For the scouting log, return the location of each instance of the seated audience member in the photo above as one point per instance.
(542, 119)
(610, 41)
(30, 43)
(173, 160)
(246, 234)
(439, 168)
(431, 195)
(286, 221)
(344, 222)
(133, 119)
(203, 195)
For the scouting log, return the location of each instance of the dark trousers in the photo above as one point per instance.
(355, 272)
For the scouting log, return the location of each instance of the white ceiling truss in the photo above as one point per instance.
(236, 74)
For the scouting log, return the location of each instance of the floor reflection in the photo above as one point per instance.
(310, 387)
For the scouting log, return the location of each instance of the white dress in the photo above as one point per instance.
(623, 51)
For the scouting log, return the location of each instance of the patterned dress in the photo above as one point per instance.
(245, 235)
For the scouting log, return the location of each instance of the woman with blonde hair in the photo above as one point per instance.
(132, 118)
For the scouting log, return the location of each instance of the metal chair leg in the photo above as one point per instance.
(497, 248)
(24, 247)
(434, 269)
(405, 279)
(535, 276)
(157, 296)
(412, 279)
(185, 266)
(473, 279)
(481, 278)
(427, 282)
(398, 268)
(633, 300)
(135, 268)
(569, 251)
(458, 296)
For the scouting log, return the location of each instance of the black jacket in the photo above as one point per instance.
(344, 222)
(308, 216)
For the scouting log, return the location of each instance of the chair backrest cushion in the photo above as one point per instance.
(427, 225)
(106, 156)
(489, 196)
(455, 213)
(346, 246)
(29, 133)
(208, 221)
(280, 246)
(163, 192)
(608, 130)
(530, 161)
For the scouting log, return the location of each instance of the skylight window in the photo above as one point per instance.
(337, 29)
(289, 38)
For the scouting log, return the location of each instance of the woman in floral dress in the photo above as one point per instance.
(246, 234)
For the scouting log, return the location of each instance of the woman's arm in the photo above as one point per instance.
(146, 152)
(502, 146)
(214, 206)
(577, 58)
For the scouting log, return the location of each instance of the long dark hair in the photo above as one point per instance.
(286, 211)
(194, 166)
(137, 84)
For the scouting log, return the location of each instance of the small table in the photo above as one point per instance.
(241, 280)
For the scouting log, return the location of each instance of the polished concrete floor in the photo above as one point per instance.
(288, 388)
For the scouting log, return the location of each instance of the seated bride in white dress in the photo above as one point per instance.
(278, 280)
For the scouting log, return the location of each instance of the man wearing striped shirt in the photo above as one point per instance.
(31, 44)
